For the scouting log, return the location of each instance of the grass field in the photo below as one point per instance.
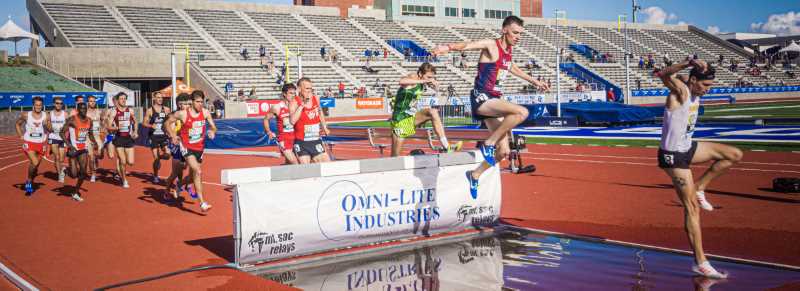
(754, 110)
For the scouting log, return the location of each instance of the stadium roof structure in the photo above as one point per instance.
(12, 32)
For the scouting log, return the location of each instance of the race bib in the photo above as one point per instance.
(82, 136)
(124, 125)
(311, 132)
(196, 133)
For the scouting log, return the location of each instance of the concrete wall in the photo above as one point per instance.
(208, 5)
(117, 63)
(379, 14)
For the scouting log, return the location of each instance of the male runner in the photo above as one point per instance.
(95, 150)
(678, 152)
(123, 124)
(282, 116)
(178, 162)
(500, 116)
(78, 100)
(33, 136)
(80, 129)
(405, 117)
(307, 118)
(55, 121)
(154, 119)
(192, 139)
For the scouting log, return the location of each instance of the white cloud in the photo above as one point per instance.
(656, 15)
(780, 24)
(713, 29)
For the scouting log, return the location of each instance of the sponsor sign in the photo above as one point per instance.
(279, 219)
(256, 108)
(327, 102)
(369, 103)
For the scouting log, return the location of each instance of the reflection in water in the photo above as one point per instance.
(515, 260)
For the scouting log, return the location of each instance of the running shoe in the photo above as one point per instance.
(701, 197)
(125, 184)
(28, 188)
(61, 177)
(455, 147)
(473, 185)
(488, 154)
(93, 178)
(706, 270)
(205, 206)
(156, 180)
(77, 197)
(191, 191)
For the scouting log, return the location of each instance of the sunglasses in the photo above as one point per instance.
(58, 103)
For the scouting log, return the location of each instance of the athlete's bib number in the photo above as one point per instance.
(311, 132)
(287, 125)
(36, 134)
(124, 125)
(196, 132)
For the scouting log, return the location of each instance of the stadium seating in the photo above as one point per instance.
(89, 25)
(163, 27)
(232, 32)
(289, 31)
(347, 35)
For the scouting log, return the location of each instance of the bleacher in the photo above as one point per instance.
(89, 25)
(162, 28)
(218, 35)
(232, 32)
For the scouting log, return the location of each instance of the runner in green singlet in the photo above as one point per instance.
(405, 116)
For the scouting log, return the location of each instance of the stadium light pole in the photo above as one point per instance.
(558, 66)
(174, 80)
(624, 17)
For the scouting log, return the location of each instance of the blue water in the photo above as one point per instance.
(522, 260)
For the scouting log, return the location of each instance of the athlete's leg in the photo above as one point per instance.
(73, 169)
(175, 173)
(81, 161)
(55, 153)
(322, 157)
(196, 172)
(91, 156)
(493, 124)
(432, 114)
(33, 164)
(290, 157)
(129, 156)
(684, 186)
(121, 162)
(156, 161)
(512, 115)
(397, 144)
(724, 156)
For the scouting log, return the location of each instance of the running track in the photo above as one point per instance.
(618, 193)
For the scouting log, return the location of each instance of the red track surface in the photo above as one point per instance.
(618, 193)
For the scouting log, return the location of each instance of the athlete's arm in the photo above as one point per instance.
(135, 127)
(210, 121)
(516, 71)
(63, 132)
(23, 118)
(48, 126)
(295, 109)
(463, 46)
(91, 136)
(110, 126)
(170, 124)
(322, 121)
(677, 88)
(147, 115)
(269, 115)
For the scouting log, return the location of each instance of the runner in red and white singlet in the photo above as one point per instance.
(282, 115)
(30, 128)
(308, 120)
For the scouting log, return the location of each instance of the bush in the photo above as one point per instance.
(51, 88)
(34, 72)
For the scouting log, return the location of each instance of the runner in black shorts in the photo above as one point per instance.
(178, 162)
(123, 124)
(154, 119)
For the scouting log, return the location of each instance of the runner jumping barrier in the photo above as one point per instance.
(294, 210)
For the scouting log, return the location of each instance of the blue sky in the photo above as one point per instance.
(771, 16)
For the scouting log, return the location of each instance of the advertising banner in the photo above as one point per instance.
(279, 219)
(26, 99)
(369, 103)
(327, 102)
(259, 108)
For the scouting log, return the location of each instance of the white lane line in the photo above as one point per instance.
(16, 279)
(653, 164)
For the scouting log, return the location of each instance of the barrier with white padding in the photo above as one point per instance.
(293, 210)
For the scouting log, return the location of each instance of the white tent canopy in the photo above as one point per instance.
(12, 32)
(794, 47)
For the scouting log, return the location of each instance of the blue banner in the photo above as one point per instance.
(26, 99)
(721, 90)
(327, 102)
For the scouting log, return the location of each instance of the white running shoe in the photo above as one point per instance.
(156, 180)
(701, 197)
(61, 177)
(77, 197)
(125, 184)
(706, 270)
(93, 178)
(205, 206)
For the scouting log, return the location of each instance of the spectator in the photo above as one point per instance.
(549, 84)
(341, 89)
(243, 52)
(720, 59)
(375, 55)
(579, 87)
(328, 93)
(270, 63)
(262, 55)
(610, 95)
(651, 61)
(463, 64)
(334, 57)
(220, 106)
(641, 62)
(451, 91)
(240, 95)
(361, 92)
(322, 53)
(456, 61)
(252, 93)
(385, 54)
(367, 54)
(407, 54)
(638, 84)
(228, 88)
(529, 64)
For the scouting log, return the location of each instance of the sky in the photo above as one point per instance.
(780, 17)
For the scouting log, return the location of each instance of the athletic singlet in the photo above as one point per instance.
(122, 119)
(157, 120)
(284, 119)
(34, 129)
(95, 121)
(193, 131)
(678, 127)
(405, 102)
(307, 127)
(57, 123)
(490, 74)
(79, 132)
